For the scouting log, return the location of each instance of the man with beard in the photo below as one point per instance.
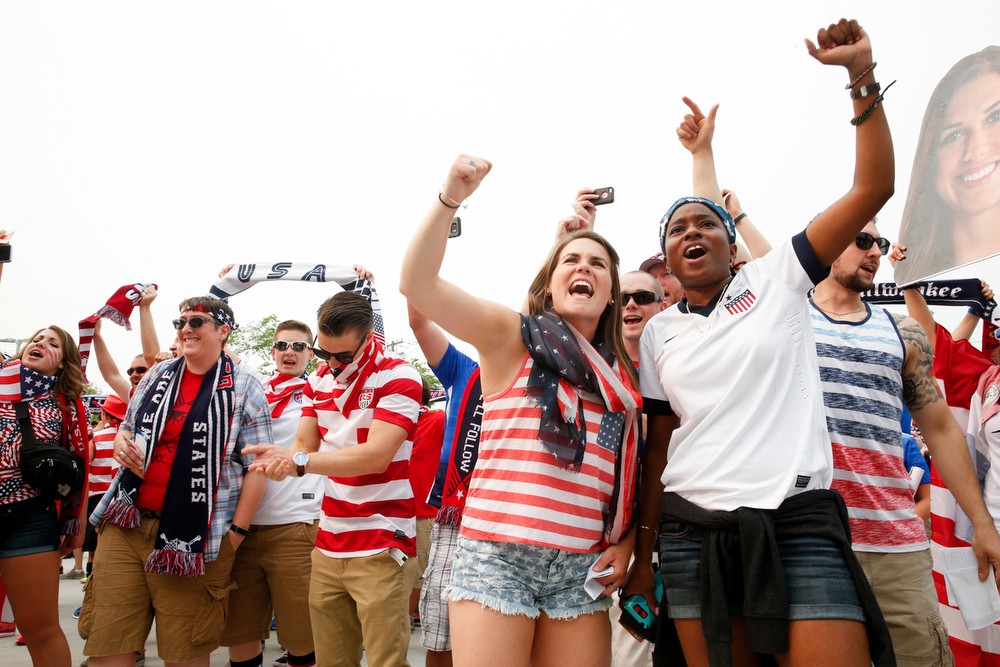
(871, 364)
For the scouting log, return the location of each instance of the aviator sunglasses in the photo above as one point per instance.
(643, 297)
(194, 322)
(865, 241)
(340, 357)
(298, 346)
(138, 369)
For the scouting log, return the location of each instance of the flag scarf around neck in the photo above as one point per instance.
(351, 378)
(117, 309)
(280, 389)
(194, 477)
(18, 384)
(244, 276)
(565, 363)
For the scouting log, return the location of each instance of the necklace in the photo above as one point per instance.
(863, 309)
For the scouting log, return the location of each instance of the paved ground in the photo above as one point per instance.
(71, 596)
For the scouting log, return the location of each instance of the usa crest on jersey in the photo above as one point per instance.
(365, 399)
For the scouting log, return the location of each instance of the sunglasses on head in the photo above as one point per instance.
(138, 369)
(641, 297)
(340, 357)
(865, 241)
(195, 322)
(298, 345)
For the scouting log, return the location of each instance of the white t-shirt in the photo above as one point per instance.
(294, 499)
(745, 385)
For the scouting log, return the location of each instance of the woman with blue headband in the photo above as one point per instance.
(755, 548)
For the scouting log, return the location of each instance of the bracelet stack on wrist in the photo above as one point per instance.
(863, 116)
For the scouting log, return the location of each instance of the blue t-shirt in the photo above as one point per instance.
(913, 458)
(460, 376)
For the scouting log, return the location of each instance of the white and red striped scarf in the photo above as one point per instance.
(280, 389)
(117, 309)
(352, 377)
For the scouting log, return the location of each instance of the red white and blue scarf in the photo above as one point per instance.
(565, 364)
(186, 516)
(117, 309)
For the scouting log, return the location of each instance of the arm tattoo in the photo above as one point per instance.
(919, 386)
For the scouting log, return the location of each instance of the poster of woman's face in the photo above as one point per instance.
(952, 212)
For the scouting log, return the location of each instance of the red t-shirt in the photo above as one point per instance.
(154, 485)
(427, 443)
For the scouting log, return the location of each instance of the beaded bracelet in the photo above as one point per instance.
(861, 76)
(742, 215)
(863, 116)
(444, 203)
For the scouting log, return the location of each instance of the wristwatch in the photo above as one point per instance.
(865, 91)
(300, 459)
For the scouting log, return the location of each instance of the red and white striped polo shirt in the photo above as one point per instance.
(370, 513)
(103, 466)
(519, 493)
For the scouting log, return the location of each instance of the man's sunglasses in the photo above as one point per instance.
(865, 241)
(340, 357)
(298, 346)
(194, 322)
(642, 297)
(138, 369)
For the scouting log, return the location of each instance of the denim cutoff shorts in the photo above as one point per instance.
(818, 581)
(523, 579)
(28, 527)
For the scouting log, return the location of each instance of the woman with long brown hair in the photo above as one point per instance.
(551, 495)
(45, 376)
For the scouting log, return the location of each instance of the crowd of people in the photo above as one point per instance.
(725, 424)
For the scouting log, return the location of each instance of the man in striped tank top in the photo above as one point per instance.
(871, 364)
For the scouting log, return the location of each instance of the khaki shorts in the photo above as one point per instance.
(904, 589)
(423, 549)
(121, 599)
(271, 572)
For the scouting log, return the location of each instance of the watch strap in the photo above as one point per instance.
(239, 530)
(866, 90)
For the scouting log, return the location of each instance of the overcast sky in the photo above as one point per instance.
(157, 142)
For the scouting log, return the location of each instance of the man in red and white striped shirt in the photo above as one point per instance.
(358, 418)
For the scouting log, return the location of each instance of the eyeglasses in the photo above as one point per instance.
(340, 357)
(194, 322)
(138, 369)
(298, 346)
(641, 297)
(865, 241)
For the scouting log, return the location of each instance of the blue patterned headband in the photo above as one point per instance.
(723, 214)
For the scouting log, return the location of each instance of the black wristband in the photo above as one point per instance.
(4, 253)
(239, 530)
(739, 217)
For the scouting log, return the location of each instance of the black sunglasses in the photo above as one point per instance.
(865, 241)
(281, 345)
(340, 357)
(641, 297)
(194, 322)
(138, 369)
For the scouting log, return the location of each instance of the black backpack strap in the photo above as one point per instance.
(28, 439)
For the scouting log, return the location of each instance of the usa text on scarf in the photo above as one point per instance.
(244, 276)
(194, 477)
